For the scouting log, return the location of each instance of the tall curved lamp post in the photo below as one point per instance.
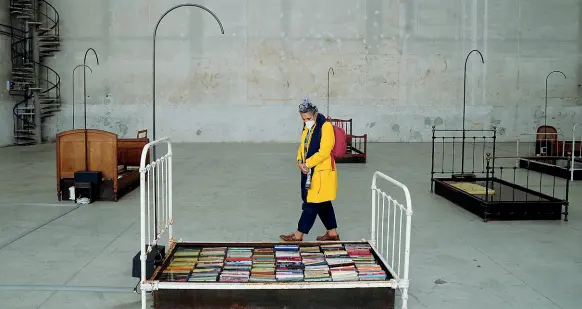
(333, 72)
(80, 65)
(546, 106)
(154, 58)
(465, 107)
(85, 99)
(85, 78)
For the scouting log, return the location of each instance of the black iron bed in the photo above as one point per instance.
(478, 183)
(482, 189)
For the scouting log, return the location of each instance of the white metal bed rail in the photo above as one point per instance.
(155, 202)
(387, 225)
(574, 149)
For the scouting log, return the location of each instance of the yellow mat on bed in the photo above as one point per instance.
(472, 188)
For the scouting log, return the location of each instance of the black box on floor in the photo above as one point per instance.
(85, 189)
(153, 259)
(88, 184)
(93, 177)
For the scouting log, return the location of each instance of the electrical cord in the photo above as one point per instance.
(136, 290)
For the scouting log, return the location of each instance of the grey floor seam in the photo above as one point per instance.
(36, 228)
(89, 262)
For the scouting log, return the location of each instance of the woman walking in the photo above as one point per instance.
(318, 175)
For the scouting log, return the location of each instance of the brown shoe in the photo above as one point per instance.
(290, 237)
(327, 237)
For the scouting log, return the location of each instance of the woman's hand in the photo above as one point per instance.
(302, 167)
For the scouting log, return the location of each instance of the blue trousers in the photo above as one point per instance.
(310, 213)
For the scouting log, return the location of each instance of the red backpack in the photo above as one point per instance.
(339, 147)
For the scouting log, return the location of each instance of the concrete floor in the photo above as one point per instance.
(235, 192)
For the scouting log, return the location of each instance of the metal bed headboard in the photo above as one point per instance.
(547, 141)
(473, 146)
(155, 202)
(345, 124)
(386, 238)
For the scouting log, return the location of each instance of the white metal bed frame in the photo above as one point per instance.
(156, 194)
(572, 156)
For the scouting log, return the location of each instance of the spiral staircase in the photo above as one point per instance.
(36, 86)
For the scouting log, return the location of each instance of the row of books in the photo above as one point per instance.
(209, 265)
(284, 263)
(237, 266)
(365, 263)
(263, 269)
(288, 263)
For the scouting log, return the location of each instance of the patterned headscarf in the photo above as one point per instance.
(307, 107)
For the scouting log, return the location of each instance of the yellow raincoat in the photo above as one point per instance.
(324, 179)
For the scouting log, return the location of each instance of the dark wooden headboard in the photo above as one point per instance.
(129, 151)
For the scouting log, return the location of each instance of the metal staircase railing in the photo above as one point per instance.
(33, 80)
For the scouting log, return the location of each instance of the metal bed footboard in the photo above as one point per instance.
(547, 145)
(559, 148)
(387, 229)
(155, 205)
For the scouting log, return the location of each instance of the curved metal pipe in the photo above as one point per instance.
(546, 106)
(465, 106)
(333, 72)
(80, 65)
(84, 81)
(154, 56)
(465, 83)
(153, 157)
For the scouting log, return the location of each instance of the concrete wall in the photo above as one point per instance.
(398, 66)
(6, 102)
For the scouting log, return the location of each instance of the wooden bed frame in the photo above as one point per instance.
(117, 159)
